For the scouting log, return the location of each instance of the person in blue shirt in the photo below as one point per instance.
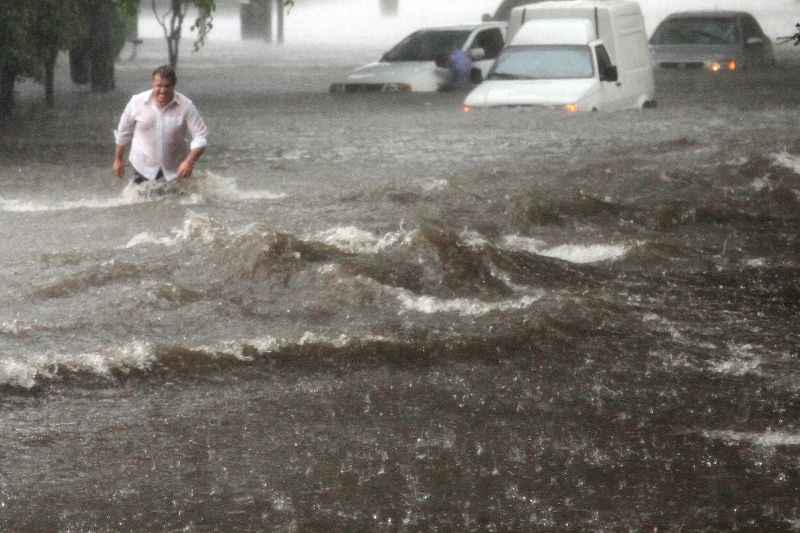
(459, 65)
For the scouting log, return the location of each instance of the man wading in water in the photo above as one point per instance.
(155, 123)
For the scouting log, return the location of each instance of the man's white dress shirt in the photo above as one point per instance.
(158, 136)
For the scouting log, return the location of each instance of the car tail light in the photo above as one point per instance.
(467, 109)
(732, 64)
(571, 108)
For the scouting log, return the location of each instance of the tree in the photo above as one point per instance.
(171, 21)
(56, 25)
(15, 48)
(32, 32)
(106, 37)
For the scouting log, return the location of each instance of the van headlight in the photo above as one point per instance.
(725, 64)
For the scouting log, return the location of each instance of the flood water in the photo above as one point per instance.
(380, 313)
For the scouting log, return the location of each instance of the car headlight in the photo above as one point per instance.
(396, 88)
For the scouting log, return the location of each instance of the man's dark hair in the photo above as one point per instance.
(166, 72)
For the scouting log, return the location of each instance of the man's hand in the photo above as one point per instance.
(185, 169)
(119, 167)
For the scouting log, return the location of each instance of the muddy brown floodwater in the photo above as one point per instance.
(380, 313)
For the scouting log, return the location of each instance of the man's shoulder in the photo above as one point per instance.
(142, 96)
(182, 99)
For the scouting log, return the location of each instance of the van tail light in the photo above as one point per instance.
(732, 64)
(571, 108)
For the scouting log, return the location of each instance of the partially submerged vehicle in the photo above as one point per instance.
(581, 55)
(711, 40)
(411, 64)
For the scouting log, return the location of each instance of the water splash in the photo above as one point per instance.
(767, 439)
(26, 373)
(743, 361)
(461, 306)
(354, 240)
(573, 253)
(196, 226)
(223, 188)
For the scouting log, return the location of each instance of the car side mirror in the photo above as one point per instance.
(752, 41)
(609, 74)
(486, 17)
(476, 54)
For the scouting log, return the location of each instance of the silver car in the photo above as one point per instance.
(713, 40)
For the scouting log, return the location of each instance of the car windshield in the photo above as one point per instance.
(707, 30)
(427, 45)
(543, 63)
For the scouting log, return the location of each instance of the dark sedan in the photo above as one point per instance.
(712, 40)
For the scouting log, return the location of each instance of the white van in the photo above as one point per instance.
(583, 55)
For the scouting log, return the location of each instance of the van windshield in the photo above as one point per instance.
(543, 62)
(427, 45)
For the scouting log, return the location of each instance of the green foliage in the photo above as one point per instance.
(16, 40)
(171, 22)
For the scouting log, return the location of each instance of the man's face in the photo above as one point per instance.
(163, 90)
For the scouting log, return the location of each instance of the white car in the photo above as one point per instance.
(411, 64)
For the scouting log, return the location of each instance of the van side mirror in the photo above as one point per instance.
(609, 74)
(476, 54)
(475, 76)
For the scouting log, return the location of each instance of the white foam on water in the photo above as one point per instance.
(523, 244)
(472, 239)
(460, 306)
(217, 187)
(759, 184)
(743, 361)
(756, 262)
(433, 184)
(785, 159)
(26, 372)
(192, 192)
(196, 226)
(271, 344)
(35, 206)
(15, 327)
(573, 253)
(354, 240)
(767, 439)
(132, 194)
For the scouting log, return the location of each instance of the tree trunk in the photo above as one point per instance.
(101, 48)
(175, 30)
(268, 20)
(79, 64)
(389, 8)
(279, 16)
(251, 17)
(8, 77)
(49, 76)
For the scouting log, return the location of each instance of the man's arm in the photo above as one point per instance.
(119, 160)
(199, 132)
(186, 167)
(122, 136)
